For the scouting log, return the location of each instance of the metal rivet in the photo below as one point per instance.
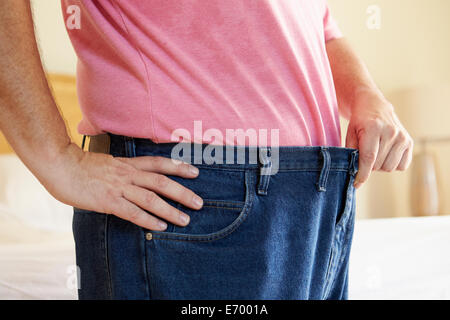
(149, 236)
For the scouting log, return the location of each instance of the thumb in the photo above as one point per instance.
(351, 140)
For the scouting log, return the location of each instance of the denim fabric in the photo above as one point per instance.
(258, 236)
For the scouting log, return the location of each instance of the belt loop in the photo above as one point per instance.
(130, 147)
(321, 185)
(353, 167)
(265, 169)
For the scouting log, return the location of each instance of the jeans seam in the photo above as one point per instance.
(343, 234)
(347, 211)
(106, 250)
(348, 202)
(328, 280)
(236, 203)
(146, 266)
(335, 258)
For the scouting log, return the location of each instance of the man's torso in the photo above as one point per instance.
(149, 67)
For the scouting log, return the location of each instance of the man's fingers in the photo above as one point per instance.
(406, 160)
(150, 201)
(163, 165)
(351, 140)
(368, 149)
(168, 188)
(395, 156)
(387, 140)
(128, 211)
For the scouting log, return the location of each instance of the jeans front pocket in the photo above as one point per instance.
(217, 219)
(214, 215)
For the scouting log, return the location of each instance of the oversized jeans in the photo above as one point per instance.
(283, 235)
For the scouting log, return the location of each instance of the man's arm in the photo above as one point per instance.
(31, 122)
(29, 119)
(374, 128)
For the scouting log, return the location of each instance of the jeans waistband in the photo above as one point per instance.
(240, 157)
(268, 160)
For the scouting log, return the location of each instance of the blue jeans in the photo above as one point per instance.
(258, 236)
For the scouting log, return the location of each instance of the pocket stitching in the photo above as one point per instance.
(225, 204)
(348, 201)
(222, 233)
(225, 208)
(336, 253)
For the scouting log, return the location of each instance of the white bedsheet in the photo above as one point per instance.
(406, 258)
(36, 264)
(402, 258)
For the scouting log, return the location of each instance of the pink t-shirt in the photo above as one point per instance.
(149, 67)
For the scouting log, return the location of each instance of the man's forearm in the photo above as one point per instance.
(374, 128)
(351, 77)
(29, 118)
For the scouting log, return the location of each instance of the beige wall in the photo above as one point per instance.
(54, 43)
(412, 48)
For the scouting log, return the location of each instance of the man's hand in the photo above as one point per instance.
(375, 130)
(124, 187)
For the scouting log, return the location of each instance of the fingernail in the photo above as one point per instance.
(193, 170)
(198, 202)
(162, 225)
(184, 218)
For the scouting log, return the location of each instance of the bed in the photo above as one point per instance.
(35, 264)
(36, 246)
(399, 258)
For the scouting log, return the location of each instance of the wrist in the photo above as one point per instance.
(366, 96)
(57, 165)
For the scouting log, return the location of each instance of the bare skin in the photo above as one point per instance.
(125, 187)
(374, 128)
